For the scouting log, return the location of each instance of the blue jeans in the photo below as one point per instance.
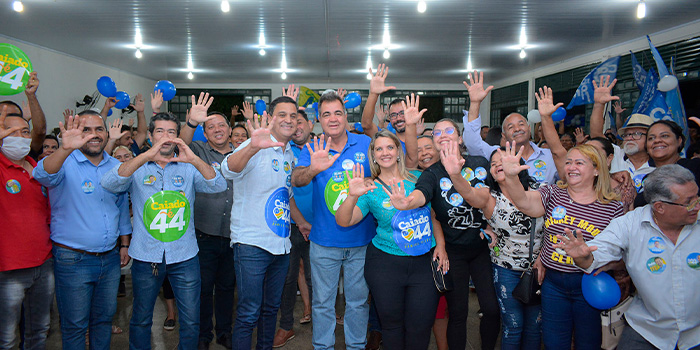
(325, 274)
(34, 287)
(215, 256)
(260, 279)
(185, 280)
(300, 250)
(564, 311)
(521, 323)
(86, 294)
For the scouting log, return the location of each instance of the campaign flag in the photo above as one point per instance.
(307, 96)
(584, 93)
(651, 98)
(638, 72)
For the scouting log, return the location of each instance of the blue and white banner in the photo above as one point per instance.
(651, 101)
(584, 93)
(638, 72)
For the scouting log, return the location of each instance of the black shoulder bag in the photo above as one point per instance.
(528, 290)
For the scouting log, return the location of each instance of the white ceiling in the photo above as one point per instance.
(329, 40)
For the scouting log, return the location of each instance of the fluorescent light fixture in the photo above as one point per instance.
(523, 37)
(387, 54)
(138, 53)
(522, 53)
(422, 6)
(386, 39)
(369, 62)
(284, 76)
(225, 6)
(261, 40)
(641, 9)
(138, 39)
(469, 65)
(190, 65)
(18, 6)
(284, 62)
(190, 76)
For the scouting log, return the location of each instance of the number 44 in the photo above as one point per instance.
(160, 221)
(13, 78)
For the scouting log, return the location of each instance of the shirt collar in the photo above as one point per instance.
(80, 157)
(287, 146)
(7, 163)
(536, 151)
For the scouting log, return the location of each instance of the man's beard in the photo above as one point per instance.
(86, 150)
(630, 148)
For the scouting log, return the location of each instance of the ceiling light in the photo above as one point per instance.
(284, 62)
(138, 39)
(262, 52)
(284, 75)
(190, 76)
(261, 40)
(522, 53)
(469, 65)
(190, 65)
(369, 76)
(386, 39)
(523, 37)
(138, 53)
(387, 54)
(18, 6)
(225, 7)
(369, 62)
(422, 6)
(641, 9)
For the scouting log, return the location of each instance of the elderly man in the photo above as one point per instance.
(659, 245)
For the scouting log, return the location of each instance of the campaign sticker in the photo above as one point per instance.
(656, 265)
(13, 186)
(16, 67)
(456, 200)
(166, 215)
(178, 181)
(445, 184)
(639, 182)
(149, 179)
(287, 167)
(348, 164)
(412, 231)
(386, 204)
(693, 260)
(360, 157)
(540, 164)
(479, 185)
(277, 212)
(88, 187)
(336, 191)
(289, 180)
(559, 212)
(275, 165)
(656, 245)
(216, 165)
(480, 173)
(468, 174)
(538, 175)
(338, 176)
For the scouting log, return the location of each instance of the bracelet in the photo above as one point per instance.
(123, 246)
(190, 125)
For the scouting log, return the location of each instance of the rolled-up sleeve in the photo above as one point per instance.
(213, 185)
(46, 179)
(112, 182)
(472, 138)
(611, 243)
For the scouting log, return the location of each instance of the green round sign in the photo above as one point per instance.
(336, 191)
(14, 69)
(166, 215)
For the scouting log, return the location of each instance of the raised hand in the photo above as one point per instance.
(291, 92)
(235, 110)
(397, 195)
(67, 113)
(109, 103)
(247, 110)
(319, 157)
(574, 246)
(511, 160)
(185, 153)
(260, 137)
(32, 84)
(341, 92)
(618, 108)
(545, 102)
(115, 130)
(381, 113)
(156, 101)
(420, 127)
(602, 92)
(138, 104)
(580, 136)
(411, 113)
(72, 136)
(131, 122)
(452, 159)
(198, 112)
(6, 132)
(475, 87)
(376, 85)
(357, 186)
(153, 153)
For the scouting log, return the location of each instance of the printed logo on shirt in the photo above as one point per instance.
(540, 164)
(277, 212)
(178, 181)
(538, 175)
(289, 180)
(88, 187)
(386, 204)
(287, 167)
(216, 165)
(149, 179)
(656, 245)
(445, 184)
(348, 164)
(166, 215)
(468, 174)
(480, 173)
(336, 191)
(360, 157)
(582, 225)
(13, 186)
(275, 165)
(559, 212)
(412, 230)
(656, 265)
(338, 176)
(456, 200)
(693, 261)
(639, 182)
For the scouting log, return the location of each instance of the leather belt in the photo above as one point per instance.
(83, 251)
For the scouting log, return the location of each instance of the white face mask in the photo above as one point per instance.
(16, 148)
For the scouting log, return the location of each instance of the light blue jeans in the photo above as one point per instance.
(326, 263)
(521, 323)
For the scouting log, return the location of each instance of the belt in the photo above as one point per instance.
(84, 251)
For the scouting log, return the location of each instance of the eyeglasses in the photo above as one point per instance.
(609, 135)
(394, 115)
(635, 135)
(448, 131)
(689, 207)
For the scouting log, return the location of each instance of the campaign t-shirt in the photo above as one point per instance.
(460, 222)
(562, 212)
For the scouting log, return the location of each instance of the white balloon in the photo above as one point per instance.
(534, 116)
(667, 83)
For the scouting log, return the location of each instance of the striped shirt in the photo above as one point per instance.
(562, 212)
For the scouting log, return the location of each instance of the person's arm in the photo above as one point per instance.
(398, 197)
(128, 168)
(528, 202)
(452, 160)
(125, 228)
(235, 111)
(110, 102)
(141, 127)
(319, 160)
(376, 88)
(440, 253)
(248, 115)
(187, 156)
(115, 133)
(412, 117)
(601, 96)
(303, 225)
(72, 139)
(38, 117)
(618, 116)
(475, 145)
(349, 213)
(259, 139)
(197, 115)
(291, 92)
(477, 93)
(156, 101)
(545, 105)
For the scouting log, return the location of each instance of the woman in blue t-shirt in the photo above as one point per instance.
(398, 262)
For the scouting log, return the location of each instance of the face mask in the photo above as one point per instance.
(15, 148)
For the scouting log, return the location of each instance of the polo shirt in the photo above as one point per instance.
(260, 215)
(165, 198)
(83, 214)
(303, 196)
(212, 211)
(24, 233)
(330, 190)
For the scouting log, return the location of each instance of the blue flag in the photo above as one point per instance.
(650, 96)
(584, 93)
(638, 72)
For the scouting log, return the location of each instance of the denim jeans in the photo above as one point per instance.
(34, 288)
(564, 312)
(215, 257)
(521, 323)
(300, 250)
(86, 294)
(325, 274)
(185, 281)
(260, 280)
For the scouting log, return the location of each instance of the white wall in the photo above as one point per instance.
(65, 79)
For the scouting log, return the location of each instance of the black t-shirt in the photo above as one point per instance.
(692, 164)
(461, 223)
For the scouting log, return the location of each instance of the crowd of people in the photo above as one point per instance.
(412, 218)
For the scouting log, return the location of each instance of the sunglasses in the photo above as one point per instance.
(448, 131)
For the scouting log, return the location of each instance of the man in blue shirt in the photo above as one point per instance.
(162, 188)
(332, 246)
(86, 222)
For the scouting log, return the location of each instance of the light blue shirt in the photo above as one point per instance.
(260, 215)
(83, 215)
(667, 276)
(541, 163)
(148, 180)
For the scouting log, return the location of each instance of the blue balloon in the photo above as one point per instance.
(358, 127)
(109, 112)
(106, 86)
(260, 107)
(352, 100)
(559, 114)
(315, 106)
(167, 88)
(123, 100)
(601, 292)
(199, 134)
